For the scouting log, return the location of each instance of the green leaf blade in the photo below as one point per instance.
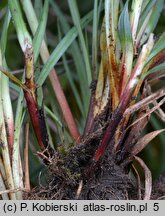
(39, 35)
(61, 48)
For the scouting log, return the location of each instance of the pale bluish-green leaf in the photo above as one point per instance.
(124, 28)
(4, 140)
(19, 24)
(159, 46)
(146, 8)
(17, 177)
(38, 8)
(95, 40)
(4, 31)
(100, 8)
(72, 84)
(76, 54)
(53, 116)
(153, 20)
(135, 15)
(39, 35)
(145, 3)
(61, 48)
(70, 76)
(157, 68)
(14, 86)
(7, 106)
(76, 19)
(125, 36)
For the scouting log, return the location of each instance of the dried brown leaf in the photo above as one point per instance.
(148, 178)
(137, 128)
(142, 143)
(145, 101)
(102, 88)
(138, 182)
(148, 113)
(160, 113)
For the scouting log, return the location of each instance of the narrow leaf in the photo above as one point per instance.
(126, 40)
(136, 10)
(111, 18)
(39, 35)
(160, 93)
(5, 150)
(3, 188)
(159, 46)
(76, 19)
(7, 106)
(146, 8)
(148, 178)
(61, 48)
(16, 162)
(143, 142)
(95, 39)
(75, 52)
(70, 77)
(153, 20)
(38, 8)
(124, 27)
(160, 67)
(20, 26)
(14, 79)
(4, 32)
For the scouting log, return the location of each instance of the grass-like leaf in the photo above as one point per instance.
(111, 18)
(16, 159)
(95, 40)
(159, 45)
(124, 28)
(146, 9)
(5, 149)
(38, 8)
(39, 35)
(157, 68)
(143, 142)
(4, 32)
(70, 78)
(148, 178)
(20, 26)
(7, 107)
(76, 19)
(3, 187)
(157, 9)
(61, 48)
(136, 11)
(75, 53)
(125, 36)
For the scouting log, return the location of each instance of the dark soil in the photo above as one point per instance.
(75, 176)
(158, 191)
